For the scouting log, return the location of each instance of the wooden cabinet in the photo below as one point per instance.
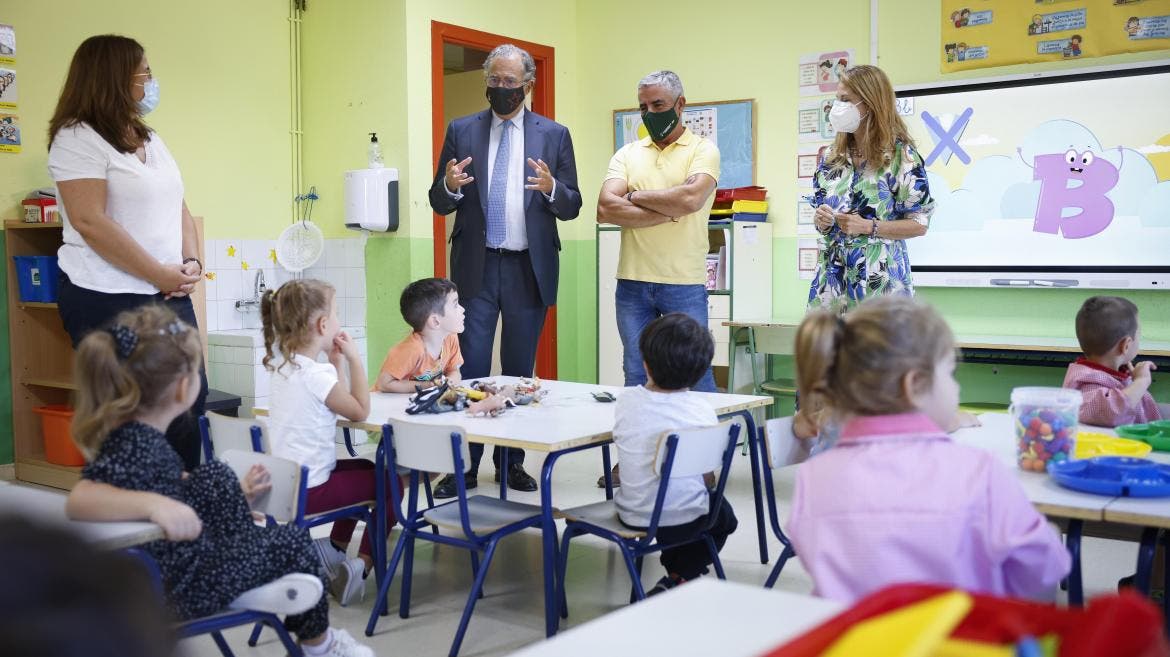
(42, 355)
(42, 359)
(747, 294)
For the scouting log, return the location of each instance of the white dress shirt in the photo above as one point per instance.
(518, 172)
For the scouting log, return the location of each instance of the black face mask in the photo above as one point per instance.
(503, 100)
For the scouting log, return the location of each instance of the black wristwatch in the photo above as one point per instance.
(195, 260)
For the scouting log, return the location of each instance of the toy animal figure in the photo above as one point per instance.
(491, 406)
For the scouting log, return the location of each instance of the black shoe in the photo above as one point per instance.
(446, 486)
(518, 479)
(665, 584)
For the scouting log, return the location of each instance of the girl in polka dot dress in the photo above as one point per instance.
(133, 379)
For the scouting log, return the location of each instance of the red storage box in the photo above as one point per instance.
(752, 193)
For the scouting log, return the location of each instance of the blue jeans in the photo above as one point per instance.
(639, 303)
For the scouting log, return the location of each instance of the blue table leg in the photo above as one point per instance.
(548, 531)
(503, 472)
(605, 463)
(1145, 560)
(1076, 593)
(757, 494)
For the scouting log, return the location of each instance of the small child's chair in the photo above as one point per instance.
(281, 502)
(779, 448)
(473, 523)
(244, 435)
(684, 453)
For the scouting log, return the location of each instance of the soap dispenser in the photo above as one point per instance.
(375, 152)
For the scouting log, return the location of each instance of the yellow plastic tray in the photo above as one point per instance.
(1089, 445)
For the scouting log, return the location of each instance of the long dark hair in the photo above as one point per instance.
(97, 91)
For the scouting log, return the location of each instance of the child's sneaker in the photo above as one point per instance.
(329, 556)
(665, 584)
(294, 593)
(341, 644)
(347, 582)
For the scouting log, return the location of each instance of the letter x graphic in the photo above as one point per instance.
(947, 141)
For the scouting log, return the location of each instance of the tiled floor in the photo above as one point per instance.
(511, 615)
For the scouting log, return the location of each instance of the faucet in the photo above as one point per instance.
(258, 291)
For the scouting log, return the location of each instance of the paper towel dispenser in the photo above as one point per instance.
(371, 199)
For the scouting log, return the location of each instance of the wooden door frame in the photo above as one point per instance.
(543, 103)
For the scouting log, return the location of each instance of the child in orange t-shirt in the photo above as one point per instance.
(430, 353)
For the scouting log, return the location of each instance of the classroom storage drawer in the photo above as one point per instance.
(719, 306)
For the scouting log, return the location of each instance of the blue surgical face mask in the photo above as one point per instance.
(150, 99)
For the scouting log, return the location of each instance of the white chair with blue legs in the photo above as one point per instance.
(220, 433)
(279, 502)
(779, 447)
(684, 453)
(475, 524)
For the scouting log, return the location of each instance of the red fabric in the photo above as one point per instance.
(351, 482)
(1123, 625)
(1117, 374)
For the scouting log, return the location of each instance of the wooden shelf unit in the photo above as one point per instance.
(42, 359)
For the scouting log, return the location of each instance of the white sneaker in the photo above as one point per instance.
(345, 645)
(346, 583)
(330, 556)
(294, 593)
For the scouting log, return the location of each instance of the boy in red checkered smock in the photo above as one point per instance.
(1115, 389)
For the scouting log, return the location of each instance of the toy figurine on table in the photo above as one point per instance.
(480, 398)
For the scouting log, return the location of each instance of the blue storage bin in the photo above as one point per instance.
(37, 278)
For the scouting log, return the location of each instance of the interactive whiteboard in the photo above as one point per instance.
(1056, 181)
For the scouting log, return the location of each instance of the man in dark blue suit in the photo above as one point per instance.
(508, 174)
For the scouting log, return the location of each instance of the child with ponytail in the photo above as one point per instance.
(895, 500)
(132, 380)
(306, 398)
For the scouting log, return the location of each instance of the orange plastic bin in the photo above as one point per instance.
(59, 447)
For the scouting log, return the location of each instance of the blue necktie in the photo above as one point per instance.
(497, 227)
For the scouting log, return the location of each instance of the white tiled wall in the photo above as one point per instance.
(232, 267)
(234, 341)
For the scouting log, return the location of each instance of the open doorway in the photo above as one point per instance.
(457, 89)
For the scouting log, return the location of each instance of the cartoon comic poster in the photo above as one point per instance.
(818, 73)
(9, 133)
(7, 44)
(7, 88)
(985, 33)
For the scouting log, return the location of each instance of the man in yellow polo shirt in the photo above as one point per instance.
(660, 190)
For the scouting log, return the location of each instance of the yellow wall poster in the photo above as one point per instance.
(986, 33)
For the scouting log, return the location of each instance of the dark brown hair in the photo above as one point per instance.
(677, 351)
(288, 314)
(116, 378)
(1103, 321)
(855, 364)
(97, 92)
(424, 298)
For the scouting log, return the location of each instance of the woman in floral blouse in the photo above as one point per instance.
(870, 196)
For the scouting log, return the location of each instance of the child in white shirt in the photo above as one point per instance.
(676, 352)
(300, 322)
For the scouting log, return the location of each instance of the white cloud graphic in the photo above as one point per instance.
(1153, 148)
(979, 140)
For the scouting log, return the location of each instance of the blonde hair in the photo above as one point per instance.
(288, 314)
(855, 364)
(129, 366)
(885, 128)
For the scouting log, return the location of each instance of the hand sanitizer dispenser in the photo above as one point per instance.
(371, 199)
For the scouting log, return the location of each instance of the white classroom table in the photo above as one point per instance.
(567, 419)
(707, 618)
(48, 506)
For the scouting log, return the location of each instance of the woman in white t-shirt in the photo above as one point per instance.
(129, 239)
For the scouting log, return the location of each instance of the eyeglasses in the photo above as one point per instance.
(506, 81)
(149, 75)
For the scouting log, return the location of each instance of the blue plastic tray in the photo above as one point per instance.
(1113, 475)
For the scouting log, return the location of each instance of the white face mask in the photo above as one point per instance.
(150, 97)
(844, 117)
